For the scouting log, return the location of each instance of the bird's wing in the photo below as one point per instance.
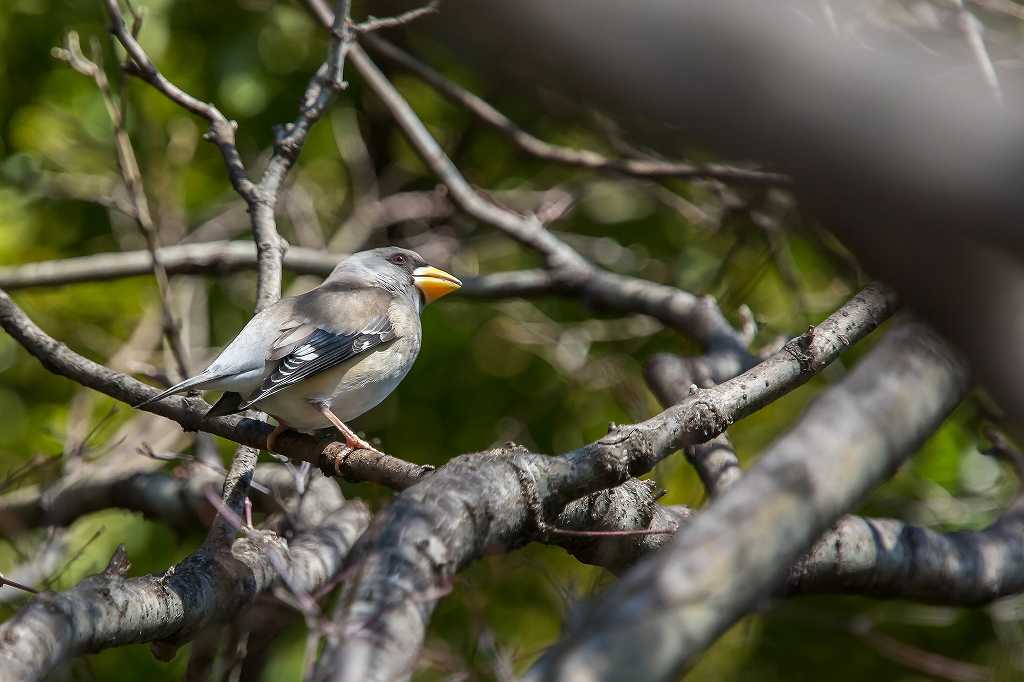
(303, 356)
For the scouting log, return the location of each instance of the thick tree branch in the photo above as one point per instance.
(504, 498)
(209, 586)
(893, 559)
(668, 609)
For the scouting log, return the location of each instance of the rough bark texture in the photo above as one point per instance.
(668, 609)
(209, 586)
(506, 497)
(891, 558)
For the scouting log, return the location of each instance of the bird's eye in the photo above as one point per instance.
(398, 259)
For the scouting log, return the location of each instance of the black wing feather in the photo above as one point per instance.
(319, 351)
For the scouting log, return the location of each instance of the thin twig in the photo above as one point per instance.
(16, 585)
(696, 316)
(221, 131)
(128, 164)
(581, 158)
(973, 31)
(373, 23)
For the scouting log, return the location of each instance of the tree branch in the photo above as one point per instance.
(132, 177)
(503, 498)
(580, 158)
(629, 508)
(893, 559)
(209, 586)
(332, 457)
(721, 564)
(663, 303)
(177, 499)
(698, 317)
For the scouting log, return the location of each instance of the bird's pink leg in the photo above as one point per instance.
(351, 439)
(278, 430)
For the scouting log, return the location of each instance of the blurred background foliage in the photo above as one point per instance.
(547, 373)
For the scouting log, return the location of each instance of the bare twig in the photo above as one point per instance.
(7, 582)
(261, 197)
(973, 31)
(696, 316)
(372, 23)
(723, 563)
(649, 168)
(222, 129)
(132, 177)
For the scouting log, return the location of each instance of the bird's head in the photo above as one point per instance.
(398, 270)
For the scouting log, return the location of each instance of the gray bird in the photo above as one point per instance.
(329, 355)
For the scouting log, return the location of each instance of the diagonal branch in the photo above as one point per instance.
(580, 158)
(503, 498)
(332, 457)
(132, 177)
(854, 436)
(222, 129)
(698, 317)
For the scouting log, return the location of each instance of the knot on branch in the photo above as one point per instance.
(118, 566)
(619, 449)
(604, 507)
(531, 498)
(799, 349)
(285, 143)
(221, 131)
(703, 421)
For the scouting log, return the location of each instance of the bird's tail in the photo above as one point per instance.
(198, 381)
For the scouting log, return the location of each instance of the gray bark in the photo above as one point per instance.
(209, 586)
(506, 497)
(653, 622)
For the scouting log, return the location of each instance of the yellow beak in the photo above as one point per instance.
(434, 283)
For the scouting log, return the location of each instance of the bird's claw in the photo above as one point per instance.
(358, 443)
